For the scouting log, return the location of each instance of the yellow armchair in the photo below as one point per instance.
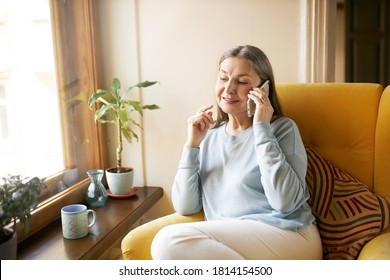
(377, 248)
(347, 123)
(136, 244)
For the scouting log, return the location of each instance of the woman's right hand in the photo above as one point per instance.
(198, 125)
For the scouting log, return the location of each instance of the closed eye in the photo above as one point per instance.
(223, 78)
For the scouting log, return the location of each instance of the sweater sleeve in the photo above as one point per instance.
(186, 194)
(282, 161)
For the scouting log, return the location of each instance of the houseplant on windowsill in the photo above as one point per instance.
(18, 197)
(116, 109)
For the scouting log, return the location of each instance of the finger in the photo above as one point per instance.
(261, 94)
(202, 124)
(206, 115)
(260, 89)
(201, 121)
(205, 108)
(256, 97)
(207, 118)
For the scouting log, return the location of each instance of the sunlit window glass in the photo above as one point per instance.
(30, 131)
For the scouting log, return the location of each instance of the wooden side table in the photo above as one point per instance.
(113, 222)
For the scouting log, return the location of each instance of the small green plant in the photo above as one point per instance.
(18, 197)
(116, 109)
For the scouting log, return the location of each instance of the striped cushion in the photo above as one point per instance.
(348, 213)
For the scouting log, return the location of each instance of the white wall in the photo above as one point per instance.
(180, 42)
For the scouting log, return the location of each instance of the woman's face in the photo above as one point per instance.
(235, 79)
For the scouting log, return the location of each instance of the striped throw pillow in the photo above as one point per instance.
(348, 214)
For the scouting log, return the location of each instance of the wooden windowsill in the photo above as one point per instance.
(112, 223)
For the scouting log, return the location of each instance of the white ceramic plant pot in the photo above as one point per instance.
(120, 183)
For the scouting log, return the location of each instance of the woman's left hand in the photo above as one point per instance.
(264, 109)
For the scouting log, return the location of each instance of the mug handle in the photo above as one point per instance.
(93, 213)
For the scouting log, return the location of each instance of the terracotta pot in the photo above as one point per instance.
(120, 183)
(9, 248)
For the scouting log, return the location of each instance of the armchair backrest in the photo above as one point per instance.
(382, 146)
(338, 120)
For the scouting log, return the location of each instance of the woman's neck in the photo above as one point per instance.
(237, 125)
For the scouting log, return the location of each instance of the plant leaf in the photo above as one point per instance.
(135, 123)
(136, 105)
(116, 87)
(151, 107)
(104, 110)
(134, 135)
(126, 131)
(106, 121)
(95, 96)
(123, 117)
(143, 84)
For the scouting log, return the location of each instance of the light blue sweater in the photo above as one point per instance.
(258, 175)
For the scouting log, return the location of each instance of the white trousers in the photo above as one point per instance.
(235, 240)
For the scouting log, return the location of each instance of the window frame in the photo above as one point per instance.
(74, 24)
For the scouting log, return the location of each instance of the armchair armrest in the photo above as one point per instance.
(377, 248)
(136, 244)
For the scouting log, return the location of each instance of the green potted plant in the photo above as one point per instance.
(18, 197)
(116, 109)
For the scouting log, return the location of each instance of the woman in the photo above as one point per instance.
(246, 173)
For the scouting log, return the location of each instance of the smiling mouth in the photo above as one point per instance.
(230, 100)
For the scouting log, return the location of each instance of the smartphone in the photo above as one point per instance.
(250, 104)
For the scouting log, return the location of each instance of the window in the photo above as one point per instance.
(47, 73)
(30, 135)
